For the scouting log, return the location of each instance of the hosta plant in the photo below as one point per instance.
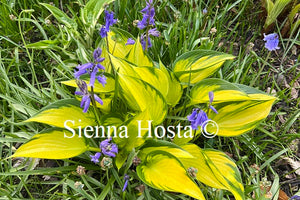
(133, 105)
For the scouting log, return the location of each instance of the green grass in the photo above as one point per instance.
(30, 79)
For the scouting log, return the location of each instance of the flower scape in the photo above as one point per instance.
(119, 81)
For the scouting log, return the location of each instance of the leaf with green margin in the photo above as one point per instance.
(98, 87)
(154, 76)
(53, 144)
(141, 96)
(164, 171)
(241, 108)
(175, 89)
(215, 169)
(223, 91)
(61, 16)
(137, 55)
(117, 39)
(91, 12)
(57, 113)
(194, 66)
(154, 145)
(236, 118)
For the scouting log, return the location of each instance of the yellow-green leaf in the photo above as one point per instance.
(64, 112)
(154, 76)
(98, 87)
(215, 169)
(140, 96)
(236, 118)
(194, 66)
(175, 89)
(137, 55)
(117, 39)
(163, 171)
(53, 144)
(161, 145)
(136, 136)
(223, 91)
(241, 108)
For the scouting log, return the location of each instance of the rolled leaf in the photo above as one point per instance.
(137, 55)
(140, 96)
(117, 47)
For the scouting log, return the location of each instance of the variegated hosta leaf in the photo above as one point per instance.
(164, 171)
(194, 66)
(175, 89)
(154, 76)
(64, 113)
(137, 55)
(162, 145)
(236, 118)
(215, 169)
(53, 144)
(117, 39)
(241, 108)
(98, 87)
(223, 92)
(136, 136)
(140, 96)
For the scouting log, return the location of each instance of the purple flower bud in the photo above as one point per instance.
(109, 21)
(126, 178)
(204, 11)
(148, 16)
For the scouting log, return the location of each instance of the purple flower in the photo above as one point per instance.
(86, 96)
(108, 149)
(96, 157)
(152, 32)
(143, 42)
(101, 79)
(148, 16)
(126, 178)
(197, 118)
(82, 69)
(272, 41)
(211, 98)
(109, 21)
(92, 69)
(204, 11)
(295, 197)
(130, 41)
